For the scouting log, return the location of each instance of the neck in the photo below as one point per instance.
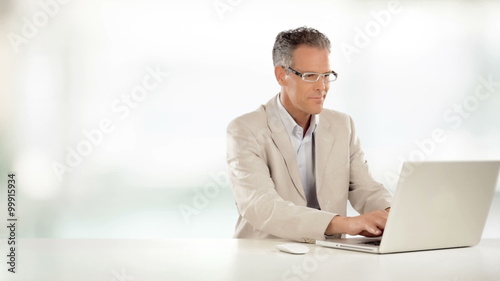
(301, 118)
(303, 122)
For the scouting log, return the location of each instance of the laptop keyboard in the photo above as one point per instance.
(374, 242)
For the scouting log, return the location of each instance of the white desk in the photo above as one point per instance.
(237, 260)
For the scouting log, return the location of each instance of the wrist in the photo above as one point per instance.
(336, 225)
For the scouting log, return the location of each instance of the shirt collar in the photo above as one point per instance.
(291, 126)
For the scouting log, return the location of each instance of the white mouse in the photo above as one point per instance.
(293, 248)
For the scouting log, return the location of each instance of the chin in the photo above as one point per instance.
(317, 109)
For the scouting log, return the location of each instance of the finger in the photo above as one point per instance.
(366, 234)
(373, 230)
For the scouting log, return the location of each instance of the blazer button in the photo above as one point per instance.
(308, 240)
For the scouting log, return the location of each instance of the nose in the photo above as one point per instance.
(322, 84)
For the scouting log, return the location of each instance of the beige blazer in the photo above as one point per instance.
(266, 180)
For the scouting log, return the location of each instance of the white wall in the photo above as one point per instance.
(408, 71)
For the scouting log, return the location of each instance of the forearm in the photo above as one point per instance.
(271, 214)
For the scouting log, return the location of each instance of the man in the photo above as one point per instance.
(293, 164)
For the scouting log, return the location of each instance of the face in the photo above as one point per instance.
(299, 97)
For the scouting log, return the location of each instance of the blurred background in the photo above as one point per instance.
(113, 113)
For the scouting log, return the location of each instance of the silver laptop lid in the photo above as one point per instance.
(440, 205)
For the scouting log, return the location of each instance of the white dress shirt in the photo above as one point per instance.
(303, 145)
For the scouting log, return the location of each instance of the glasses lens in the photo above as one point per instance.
(314, 77)
(331, 77)
(310, 77)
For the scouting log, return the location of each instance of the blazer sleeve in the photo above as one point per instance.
(365, 194)
(255, 194)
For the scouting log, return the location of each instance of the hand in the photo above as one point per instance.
(370, 224)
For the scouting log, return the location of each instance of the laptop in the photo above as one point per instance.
(437, 205)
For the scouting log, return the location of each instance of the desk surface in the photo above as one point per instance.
(237, 259)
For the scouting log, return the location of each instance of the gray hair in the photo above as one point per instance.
(289, 40)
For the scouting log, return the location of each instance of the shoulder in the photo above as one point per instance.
(257, 119)
(253, 119)
(335, 117)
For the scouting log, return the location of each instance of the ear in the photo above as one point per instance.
(279, 73)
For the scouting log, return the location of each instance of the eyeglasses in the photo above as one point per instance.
(314, 77)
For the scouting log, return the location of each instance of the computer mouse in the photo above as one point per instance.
(293, 248)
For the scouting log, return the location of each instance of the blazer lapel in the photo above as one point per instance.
(282, 141)
(324, 140)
